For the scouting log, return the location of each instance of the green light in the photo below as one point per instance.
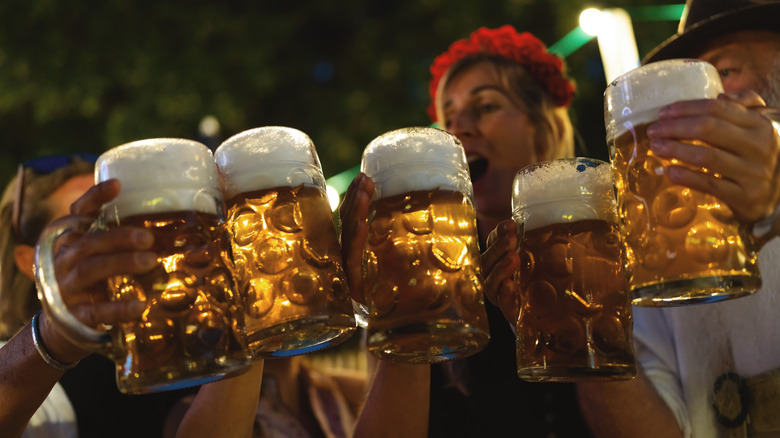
(564, 47)
(341, 181)
(656, 13)
(570, 42)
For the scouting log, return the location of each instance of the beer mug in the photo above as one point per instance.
(192, 329)
(421, 263)
(575, 320)
(285, 247)
(683, 246)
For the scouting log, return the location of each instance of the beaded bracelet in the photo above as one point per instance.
(38, 342)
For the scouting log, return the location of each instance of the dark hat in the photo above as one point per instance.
(704, 19)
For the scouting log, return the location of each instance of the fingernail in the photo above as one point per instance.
(652, 130)
(664, 111)
(143, 238)
(145, 259)
(659, 146)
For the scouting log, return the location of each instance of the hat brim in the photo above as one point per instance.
(688, 44)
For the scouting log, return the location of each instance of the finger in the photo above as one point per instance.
(98, 268)
(502, 270)
(502, 240)
(350, 194)
(117, 240)
(89, 204)
(718, 122)
(111, 312)
(702, 156)
(509, 300)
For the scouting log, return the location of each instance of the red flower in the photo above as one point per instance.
(524, 48)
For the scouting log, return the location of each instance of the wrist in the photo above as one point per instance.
(56, 350)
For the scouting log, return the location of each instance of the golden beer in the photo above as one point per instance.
(192, 326)
(288, 264)
(191, 331)
(575, 321)
(285, 246)
(682, 246)
(423, 281)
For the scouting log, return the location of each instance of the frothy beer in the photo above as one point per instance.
(683, 246)
(285, 247)
(575, 318)
(423, 280)
(192, 329)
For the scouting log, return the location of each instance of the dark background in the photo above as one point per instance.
(90, 75)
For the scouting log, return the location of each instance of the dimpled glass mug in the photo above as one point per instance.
(285, 245)
(192, 330)
(682, 246)
(421, 263)
(575, 317)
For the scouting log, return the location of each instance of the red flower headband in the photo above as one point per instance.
(523, 48)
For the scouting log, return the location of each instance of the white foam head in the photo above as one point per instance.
(634, 98)
(563, 190)
(160, 175)
(418, 158)
(267, 157)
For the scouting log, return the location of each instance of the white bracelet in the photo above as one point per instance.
(38, 342)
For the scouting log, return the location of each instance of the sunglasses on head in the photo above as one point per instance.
(41, 166)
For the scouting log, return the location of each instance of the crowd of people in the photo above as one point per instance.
(506, 98)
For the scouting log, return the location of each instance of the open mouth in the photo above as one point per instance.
(477, 167)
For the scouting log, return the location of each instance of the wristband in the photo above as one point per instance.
(38, 342)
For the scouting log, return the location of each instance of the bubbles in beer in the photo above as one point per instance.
(417, 221)
(285, 216)
(674, 207)
(658, 251)
(180, 292)
(206, 327)
(706, 244)
(541, 298)
(566, 335)
(273, 255)
(302, 286)
(642, 175)
(260, 297)
(450, 254)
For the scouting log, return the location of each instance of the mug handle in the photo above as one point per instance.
(49, 290)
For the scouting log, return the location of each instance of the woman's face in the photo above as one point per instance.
(497, 135)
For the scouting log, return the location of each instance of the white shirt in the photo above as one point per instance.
(683, 350)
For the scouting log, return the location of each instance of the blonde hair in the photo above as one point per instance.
(18, 298)
(554, 127)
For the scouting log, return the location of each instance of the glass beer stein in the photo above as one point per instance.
(285, 247)
(192, 330)
(682, 246)
(575, 321)
(421, 262)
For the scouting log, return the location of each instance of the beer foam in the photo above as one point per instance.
(635, 98)
(267, 157)
(564, 190)
(417, 158)
(160, 175)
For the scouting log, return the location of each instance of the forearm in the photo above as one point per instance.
(631, 409)
(25, 382)
(397, 403)
(225, 408)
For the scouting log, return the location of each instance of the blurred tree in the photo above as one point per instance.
(89, 75)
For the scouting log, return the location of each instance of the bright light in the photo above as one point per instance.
(333, 198)
(617, 43)
(591, 21)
